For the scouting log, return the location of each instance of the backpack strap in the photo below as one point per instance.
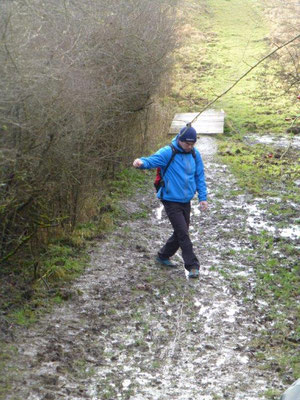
(174, 152)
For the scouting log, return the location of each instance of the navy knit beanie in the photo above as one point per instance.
(188, 134)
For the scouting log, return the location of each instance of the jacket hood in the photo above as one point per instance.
(176, 144)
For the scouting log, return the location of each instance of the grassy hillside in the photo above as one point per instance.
(224, 38)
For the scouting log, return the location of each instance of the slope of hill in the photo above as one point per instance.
(222, 40)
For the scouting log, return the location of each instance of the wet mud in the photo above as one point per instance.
(132, 329)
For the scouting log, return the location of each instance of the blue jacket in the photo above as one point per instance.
(184, 176)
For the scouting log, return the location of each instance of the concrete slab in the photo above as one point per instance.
(209, 122)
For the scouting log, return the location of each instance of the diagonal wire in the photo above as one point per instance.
(240, 78)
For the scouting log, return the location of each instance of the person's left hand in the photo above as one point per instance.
(203, 205)
(137, 163)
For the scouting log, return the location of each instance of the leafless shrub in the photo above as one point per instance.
(79, 86)
(284, 19)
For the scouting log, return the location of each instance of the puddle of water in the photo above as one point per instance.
(292, 232)
(223, 359)
(244, 274)
(126, 383)
(273, 140)
(195, 209)
(197, 303)
(243, 359)
(256, 221)
(227, 309)
(207, 146)
(233, 309)
(158, 212)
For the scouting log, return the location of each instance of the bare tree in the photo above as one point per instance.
(79, 82)
(284, 17)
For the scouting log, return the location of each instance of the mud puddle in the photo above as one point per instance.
(258, 218)
(277, 141)
(133, 330)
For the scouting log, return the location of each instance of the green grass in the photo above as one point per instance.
(31, 286)
(272, 394)
(261, 170)
(278, 278)
(225, 39)
(7, 352)
(277, 284)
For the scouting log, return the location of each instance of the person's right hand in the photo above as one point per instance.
(137, 163)
(203, 205)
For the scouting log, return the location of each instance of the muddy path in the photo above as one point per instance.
(134, 330)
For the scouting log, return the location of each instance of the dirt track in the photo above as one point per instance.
(134, 330)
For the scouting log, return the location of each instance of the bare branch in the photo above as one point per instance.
(245, 74)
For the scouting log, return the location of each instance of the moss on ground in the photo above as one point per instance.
(30, 285)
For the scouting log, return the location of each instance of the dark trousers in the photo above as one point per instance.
(179, 216)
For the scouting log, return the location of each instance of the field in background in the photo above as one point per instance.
(223, 40)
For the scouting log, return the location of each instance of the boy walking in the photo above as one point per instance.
(183, 177)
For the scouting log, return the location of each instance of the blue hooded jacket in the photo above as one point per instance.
(184, 176)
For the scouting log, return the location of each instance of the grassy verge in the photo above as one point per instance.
(30, 285)
(262, 170)
(277, 284)
(271, 173)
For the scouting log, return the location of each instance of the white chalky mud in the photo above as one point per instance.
(258, 220)
(135, 330)
(278, 141)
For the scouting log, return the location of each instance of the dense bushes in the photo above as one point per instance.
(79, 89)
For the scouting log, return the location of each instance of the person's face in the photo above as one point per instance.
(186, 146)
